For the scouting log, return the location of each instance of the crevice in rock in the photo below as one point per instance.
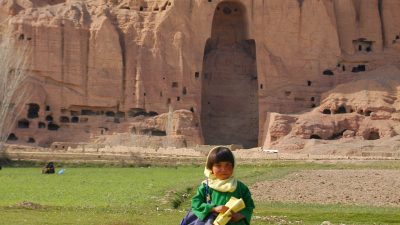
(31, 140)
(326, 111)
(373, 135)
(336, 136)
(328, 72)
(315, 136)
(380, 8)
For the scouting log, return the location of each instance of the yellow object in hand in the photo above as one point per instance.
(234, 205)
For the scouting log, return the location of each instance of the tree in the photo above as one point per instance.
(14, 53)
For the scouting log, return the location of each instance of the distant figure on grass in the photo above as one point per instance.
(214, 193)
(49, 168)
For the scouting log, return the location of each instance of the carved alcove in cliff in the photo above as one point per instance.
(229, 113)
(33, 111)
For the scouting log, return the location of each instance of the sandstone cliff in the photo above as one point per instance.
(97, 63)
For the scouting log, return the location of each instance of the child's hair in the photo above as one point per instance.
(220, 154)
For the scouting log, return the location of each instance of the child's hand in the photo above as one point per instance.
(220, 209)
(236, 217)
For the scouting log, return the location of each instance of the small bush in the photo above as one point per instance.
(180, 197)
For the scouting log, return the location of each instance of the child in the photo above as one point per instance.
(221, 187)
(49, 168)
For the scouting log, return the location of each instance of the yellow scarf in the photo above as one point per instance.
(228, 185)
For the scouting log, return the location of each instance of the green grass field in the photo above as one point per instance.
(136, 196)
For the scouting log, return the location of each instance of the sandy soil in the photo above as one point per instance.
(357, 187)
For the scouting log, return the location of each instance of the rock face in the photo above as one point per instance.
(237, 66)
(365, 109)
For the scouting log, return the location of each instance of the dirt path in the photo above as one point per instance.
(360, 187)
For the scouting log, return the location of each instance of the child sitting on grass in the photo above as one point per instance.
(219, 187)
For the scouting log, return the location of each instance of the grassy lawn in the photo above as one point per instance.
(122, 196)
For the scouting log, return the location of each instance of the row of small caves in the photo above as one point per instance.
(33, 113)
(144, 7)
(175, 85)
(75, 117)
(372, 135)
(361, 46)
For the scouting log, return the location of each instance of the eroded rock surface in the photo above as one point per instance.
(229, 63)
(364, 109)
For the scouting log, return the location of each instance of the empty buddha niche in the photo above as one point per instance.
(229, 113)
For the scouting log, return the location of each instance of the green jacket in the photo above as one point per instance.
(201, 209)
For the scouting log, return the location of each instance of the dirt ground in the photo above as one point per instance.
(356, 187)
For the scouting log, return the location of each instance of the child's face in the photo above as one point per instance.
(222, 170)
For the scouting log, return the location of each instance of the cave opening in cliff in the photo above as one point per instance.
(229, 112)
(12, 137)
(33, 111)
(41, 125)
(23, 123)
